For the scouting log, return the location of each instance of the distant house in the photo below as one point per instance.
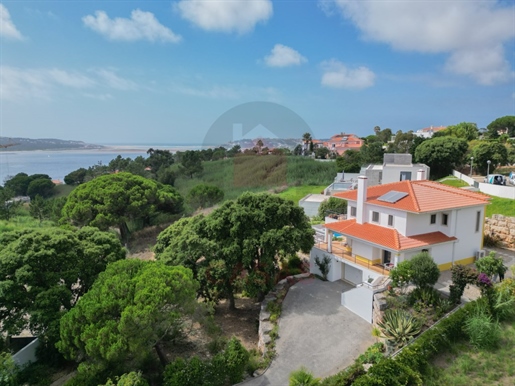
(390, 223)
(338, 144)
(395, 167)
(429, 131)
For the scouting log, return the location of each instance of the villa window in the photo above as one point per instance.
(405, 176)
(390, 220)
(478, 220)
(375, 216)
(433, 219)
(353, 211)
(445, 219)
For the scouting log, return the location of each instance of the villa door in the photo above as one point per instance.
(387, 257)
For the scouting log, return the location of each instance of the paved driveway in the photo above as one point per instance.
(317, 332)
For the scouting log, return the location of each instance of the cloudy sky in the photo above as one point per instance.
(163, 72)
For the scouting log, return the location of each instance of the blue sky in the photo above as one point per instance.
(163, 72)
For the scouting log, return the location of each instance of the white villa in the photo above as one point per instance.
(389, 223)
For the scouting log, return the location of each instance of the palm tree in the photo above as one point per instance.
(259, 145)
(306, 137)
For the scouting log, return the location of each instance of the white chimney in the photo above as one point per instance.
(361, 217)
(421, 174)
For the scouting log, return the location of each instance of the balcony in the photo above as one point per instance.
(339, 250)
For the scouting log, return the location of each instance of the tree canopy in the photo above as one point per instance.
(130, 309)
(503, 123)
(204, 196)
(464, 130)
(441, 154)
(489, 151)
(115, 199)
(332, 206)
(44, 271)
(238, 244)
(191, 163)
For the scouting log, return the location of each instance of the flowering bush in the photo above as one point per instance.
(483, 280)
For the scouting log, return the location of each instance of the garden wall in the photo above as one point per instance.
(503, 228)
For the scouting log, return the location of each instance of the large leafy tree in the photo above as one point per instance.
(191, 163)
(128, 312)
(464, 130)
(503, 123)
(441, 154)
(115, 199)
(350, 162)
(492, 151)
(159, 159)
(238, 244)
(43, 273)
(40, 187)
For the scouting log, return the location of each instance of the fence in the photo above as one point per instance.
(493, 190)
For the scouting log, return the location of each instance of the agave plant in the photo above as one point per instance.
(399, 327)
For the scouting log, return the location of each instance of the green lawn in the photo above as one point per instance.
(295, 193)
(466, 366)
(63, 190)
(453, 181)
(498, 205)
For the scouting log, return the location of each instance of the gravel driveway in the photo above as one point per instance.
(317, 332)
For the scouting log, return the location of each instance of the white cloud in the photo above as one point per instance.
(7, 27)
(214, 92)
(141, 26)
(114, 81)
(225, 16)
(337, 75)
(283, 56)
(41, 83)
(472, 32)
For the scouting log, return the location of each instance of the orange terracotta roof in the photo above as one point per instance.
(387, 237)
(423, 196)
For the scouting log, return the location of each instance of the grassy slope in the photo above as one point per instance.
(498, 205)
(261, 173)
(466, 366)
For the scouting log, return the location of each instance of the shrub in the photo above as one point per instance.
(461, 276)
(426, 296)
(332, 206)
(185, 373)
(8, 370)
(130, 379)
(425, 270)
(483, 331)
(236, 358)
(389, 372)
(345, 377)
(373, 354)
(402, 274)
(323, 265)
(399, 327)
(491, 265)
(294, 262)
(204, 196)
(302, 377)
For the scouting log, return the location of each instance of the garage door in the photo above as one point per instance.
(352, 275)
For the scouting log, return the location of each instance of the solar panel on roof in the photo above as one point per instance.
(392, 197)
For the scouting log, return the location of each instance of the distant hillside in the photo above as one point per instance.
(14, 144)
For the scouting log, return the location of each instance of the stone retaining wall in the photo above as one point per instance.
(265, 325)
(501, 227)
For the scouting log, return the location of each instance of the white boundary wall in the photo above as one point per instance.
(493, 190)
(27, 354)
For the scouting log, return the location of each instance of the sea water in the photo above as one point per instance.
(59, 163)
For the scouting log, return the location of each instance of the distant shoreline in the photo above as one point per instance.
(107, 149)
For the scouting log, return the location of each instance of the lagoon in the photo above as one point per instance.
(59, 163)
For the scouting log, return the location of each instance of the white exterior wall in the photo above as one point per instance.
(362, 249)
(469, 241)
(359, 300)
(27, 354)
(392, 173)
(399, 217)
(335, 267)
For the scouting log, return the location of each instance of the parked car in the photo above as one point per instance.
(511, 178)
(496, 179)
